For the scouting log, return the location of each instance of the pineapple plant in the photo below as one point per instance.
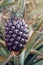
(18, 45)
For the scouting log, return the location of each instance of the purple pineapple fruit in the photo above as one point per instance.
(16, 34)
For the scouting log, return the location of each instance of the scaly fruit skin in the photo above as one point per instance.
(16, 34)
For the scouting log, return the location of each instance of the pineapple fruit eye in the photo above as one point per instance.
(16, 34)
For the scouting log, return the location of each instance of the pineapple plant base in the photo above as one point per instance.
(16, 35)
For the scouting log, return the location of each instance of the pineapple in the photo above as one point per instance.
(16, 34)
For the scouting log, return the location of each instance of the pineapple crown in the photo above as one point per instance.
(17, 14)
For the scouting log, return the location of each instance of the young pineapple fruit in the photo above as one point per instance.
(16, 34)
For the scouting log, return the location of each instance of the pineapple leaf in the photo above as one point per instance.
(36, 11)
(33, 38)
(37, 45)
(2, 58)
(21, 3)
(3, 48)
(36, 52)
(30, 61)
(1, 24)
(38, 62)
(22, 57)
(2, 43)
(8, 58)
(7, 4)
(4, 51)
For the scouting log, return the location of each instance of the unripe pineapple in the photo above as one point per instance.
(16, 34)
